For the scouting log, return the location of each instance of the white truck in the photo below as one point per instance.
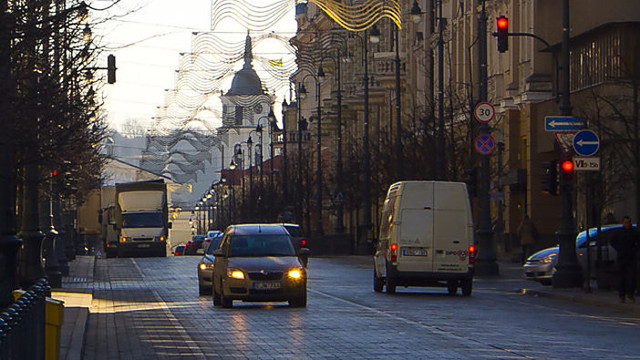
(137, 221)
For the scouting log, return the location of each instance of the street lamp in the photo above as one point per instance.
(374, 37)
(319, 78)
(249, 147)
(339, 202)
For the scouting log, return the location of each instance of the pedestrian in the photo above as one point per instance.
(626, 242)
(528, 235)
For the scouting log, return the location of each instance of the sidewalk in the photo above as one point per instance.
(77, 296)
(597, 297)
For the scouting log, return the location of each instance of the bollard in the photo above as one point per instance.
(53, 326)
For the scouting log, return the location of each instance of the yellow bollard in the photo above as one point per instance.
(54, 317)
(54, 314)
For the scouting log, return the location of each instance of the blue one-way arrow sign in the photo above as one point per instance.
(563, 123)
(586, 143)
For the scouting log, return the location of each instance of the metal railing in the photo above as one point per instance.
(22, 325)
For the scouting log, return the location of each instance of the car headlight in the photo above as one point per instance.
(235, 274)
(549, 258)
(295, 274)
(205, 266)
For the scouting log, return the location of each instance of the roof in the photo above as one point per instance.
(246, 81)
(262, 229)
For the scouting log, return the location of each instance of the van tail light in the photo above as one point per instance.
(472, 254)
(394, 252)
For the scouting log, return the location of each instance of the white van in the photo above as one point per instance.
(426, 237)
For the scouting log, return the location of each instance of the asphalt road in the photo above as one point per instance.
(149, 308)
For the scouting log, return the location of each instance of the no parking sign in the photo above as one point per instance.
(484, 144)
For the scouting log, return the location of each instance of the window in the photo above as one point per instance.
(142, 220)
(239, 115)
(596, 60)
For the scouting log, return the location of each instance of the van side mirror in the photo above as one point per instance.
(304, 256)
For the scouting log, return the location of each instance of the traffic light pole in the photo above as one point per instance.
(568, 272)
(486, 264)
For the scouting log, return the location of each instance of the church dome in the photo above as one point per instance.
(246, 80)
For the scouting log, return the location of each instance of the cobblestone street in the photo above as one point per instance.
(149, 308)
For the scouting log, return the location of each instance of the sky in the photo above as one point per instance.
(147, 37)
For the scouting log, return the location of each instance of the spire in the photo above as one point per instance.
(248, 53)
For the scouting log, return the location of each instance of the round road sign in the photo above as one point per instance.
(586, 142)
(484, 144)
(484, 112)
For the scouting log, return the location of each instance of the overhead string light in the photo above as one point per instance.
(361, 16)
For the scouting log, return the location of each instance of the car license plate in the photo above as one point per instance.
(414, 252)
(143, 245)
(266, 285)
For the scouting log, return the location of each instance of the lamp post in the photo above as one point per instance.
(285, 169)
(319, 78)
(9, 242)
(440, 143)
(271, 120)
(339, 228)
(301, 95)
(366, 189)
(249, 147)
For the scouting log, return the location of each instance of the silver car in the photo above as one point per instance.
(542, 265)
(205, 266)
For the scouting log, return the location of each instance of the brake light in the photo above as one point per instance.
(472, 254)
(394, 254)
(303, 242)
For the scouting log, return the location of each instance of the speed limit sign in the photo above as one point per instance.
(484, 112)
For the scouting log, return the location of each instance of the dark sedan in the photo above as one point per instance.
(258, 262)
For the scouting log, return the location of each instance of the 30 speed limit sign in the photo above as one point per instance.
(484, 112)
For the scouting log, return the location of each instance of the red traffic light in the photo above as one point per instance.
(502, 34)
(55, 172)
(567, 166)
(503, 23)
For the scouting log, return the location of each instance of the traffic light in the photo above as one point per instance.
(567, 169)
(503, 33)
(549, 179)
(111, 69)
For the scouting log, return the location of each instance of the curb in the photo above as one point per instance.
(77, 307)
(585, 300)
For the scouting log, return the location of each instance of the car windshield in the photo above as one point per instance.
(214, 244)
(261, 245)
(142, 220)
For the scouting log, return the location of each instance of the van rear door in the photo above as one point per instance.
(454, 231)
(415, 246)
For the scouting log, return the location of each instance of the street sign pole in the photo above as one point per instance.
(568, 274)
